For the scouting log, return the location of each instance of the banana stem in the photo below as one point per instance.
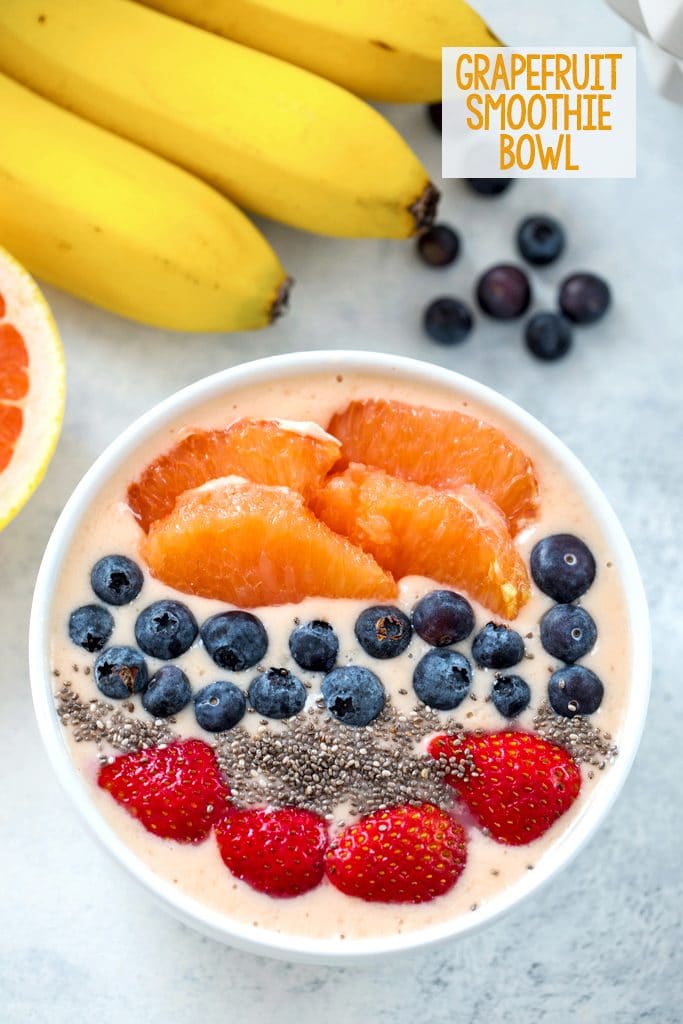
(423, 210)
(281, 300)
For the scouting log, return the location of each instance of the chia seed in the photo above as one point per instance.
(585, 742)
(323, 766)
(100, 722)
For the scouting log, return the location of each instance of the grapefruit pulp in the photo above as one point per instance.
(458, 538)
(439, 448)
(264, 451)
(250, 545)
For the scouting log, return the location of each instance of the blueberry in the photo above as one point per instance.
(276, 693)
(439, 245)
(575, 691)
(540, 239)
(235, 640)
(442, 679)
(165, 629)
(434, 115)
(120, 672)
(116, 579)
(510, 695)
(562, 567)
(383, 631)
(548, 336)
(167, 693)
(314, 646)
(489, 186)
(447, 321)
(568, 632)
(443, 617)
(353, 694)
(503, 292)
(497, 646)
(90, 627)
(584, 298)
(219, 706)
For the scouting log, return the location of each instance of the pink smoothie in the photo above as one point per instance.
(198, 871)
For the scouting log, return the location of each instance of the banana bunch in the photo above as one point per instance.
(95, 209)
(275, 139)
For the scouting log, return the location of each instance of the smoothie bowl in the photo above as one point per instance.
(339, 654)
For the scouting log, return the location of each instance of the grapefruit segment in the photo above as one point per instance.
(250, 545)
(264, 451)
(439, 448)
(11, 422)
(13, 364)
(31, 386)
(455, 537)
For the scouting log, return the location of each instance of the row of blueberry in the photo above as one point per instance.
(352, 694)
(238, 640)
(563, 567)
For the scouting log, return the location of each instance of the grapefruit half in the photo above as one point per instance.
(32, 386)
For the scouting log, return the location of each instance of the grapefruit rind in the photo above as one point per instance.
(43, 407)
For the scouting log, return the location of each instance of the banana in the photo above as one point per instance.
(381, 49)
(118, 226)
(278, 140)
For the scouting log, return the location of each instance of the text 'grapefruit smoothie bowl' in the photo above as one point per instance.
(336, 653)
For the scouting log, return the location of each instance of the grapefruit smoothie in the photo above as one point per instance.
(341, 656)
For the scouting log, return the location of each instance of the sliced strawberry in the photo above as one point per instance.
(403, 854)
(176, 792)
(515, 784)
(280, 853)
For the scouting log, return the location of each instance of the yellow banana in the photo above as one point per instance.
(276, 139)
(381, 49)
(124, 229)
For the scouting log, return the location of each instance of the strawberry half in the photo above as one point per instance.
(523, 784)
(176, 792)
(280, 853)
(403, 854)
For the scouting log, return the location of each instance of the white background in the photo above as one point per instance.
(78, 942)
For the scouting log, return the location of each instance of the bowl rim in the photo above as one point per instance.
(202, 917)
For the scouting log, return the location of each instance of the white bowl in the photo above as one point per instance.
(300, 947)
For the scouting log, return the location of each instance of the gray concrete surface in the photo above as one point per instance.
(602, 944)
